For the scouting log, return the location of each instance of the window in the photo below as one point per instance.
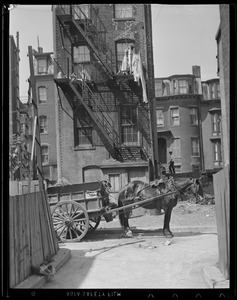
(159, 117)
(45, 154)
(217, 152)
(114, 181)
(120, 52)
(195, 146)
(174, 111)
(42, 95)
(83, 129)
(183, 87)
(42, 66)
(218, 90)
(123, 11)
(176, 149)
(81, 54)
(212, 88)
(84, 136)
(81, 11)
(216, 121)
(43, 122)
(193, 115)
(129, 125)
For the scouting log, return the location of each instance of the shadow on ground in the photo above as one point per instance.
(115, 233)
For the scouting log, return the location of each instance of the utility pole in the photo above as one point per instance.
(151, 91)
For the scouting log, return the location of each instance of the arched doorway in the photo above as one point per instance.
(162, 150)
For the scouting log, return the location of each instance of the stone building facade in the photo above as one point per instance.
(188, 114)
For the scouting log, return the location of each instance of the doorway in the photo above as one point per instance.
(162, 150)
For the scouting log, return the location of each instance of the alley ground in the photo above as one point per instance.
(148, 260)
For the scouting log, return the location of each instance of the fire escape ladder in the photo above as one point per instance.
(143, 122)
(93, 31)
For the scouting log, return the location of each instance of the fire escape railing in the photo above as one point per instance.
(93, 29)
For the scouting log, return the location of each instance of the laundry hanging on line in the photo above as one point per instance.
(132, 64)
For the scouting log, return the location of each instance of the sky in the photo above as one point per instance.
(183, 36)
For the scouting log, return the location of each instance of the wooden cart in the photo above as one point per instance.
(78, 208)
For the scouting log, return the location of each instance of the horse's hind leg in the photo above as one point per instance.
(127, 230)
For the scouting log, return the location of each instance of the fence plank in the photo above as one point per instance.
(37, 255)
(12, 242)
(27, 236)
(53, 240)
(221, 188)
(42, 223)
(31, 234)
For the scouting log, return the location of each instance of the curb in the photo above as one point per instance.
(37, 281)
(213, 276)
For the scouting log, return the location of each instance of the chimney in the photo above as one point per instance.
(197, 74)
(40, 50)
(197, 71)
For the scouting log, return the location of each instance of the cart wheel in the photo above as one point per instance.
(94, 223)
(71, 221)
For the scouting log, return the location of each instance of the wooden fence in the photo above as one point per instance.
(222, 205)
(31, 234)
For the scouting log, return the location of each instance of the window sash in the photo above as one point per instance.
(128, 115)
(217, 151)
(84, 136)
(81, 54)
(129, 135)
(45, 154)
(81, 11)
(195, 146)
(43, 124)
(159, 117)
(174, 116)
(123, 11)
(42, 66)
(183, 87)
(114, 181)
(42, 94)
(193, 115)
(120, 52)
(216, 123)
(176, 149)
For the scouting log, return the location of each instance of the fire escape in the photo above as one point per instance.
(86, 91)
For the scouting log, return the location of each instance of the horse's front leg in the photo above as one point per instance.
(166, 229)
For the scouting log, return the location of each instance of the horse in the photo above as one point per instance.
(137, 190)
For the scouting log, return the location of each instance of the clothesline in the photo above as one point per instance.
(132, 64)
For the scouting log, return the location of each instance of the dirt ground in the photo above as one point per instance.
(186, 214)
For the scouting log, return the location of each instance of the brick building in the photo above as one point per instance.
(188, 112)
(223, 70)
(105, 89)
(18, 135)
(45, 93)
(210, 114)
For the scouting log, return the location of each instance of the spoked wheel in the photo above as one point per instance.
(94, 222)
(71, 221)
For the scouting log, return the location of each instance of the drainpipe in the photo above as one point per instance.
(57, 108)
(200, 134)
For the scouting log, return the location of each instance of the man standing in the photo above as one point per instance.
(171, 167)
